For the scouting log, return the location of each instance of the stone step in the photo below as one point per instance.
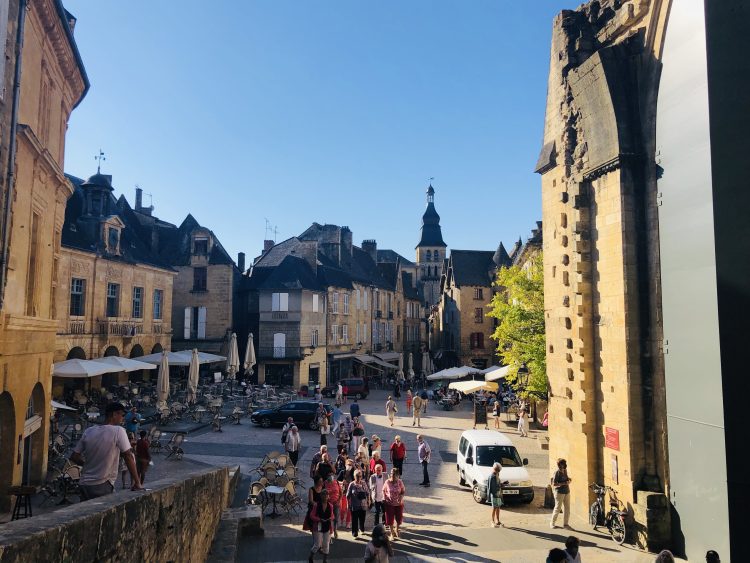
(235, 523)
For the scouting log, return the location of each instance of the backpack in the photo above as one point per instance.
(283, 436)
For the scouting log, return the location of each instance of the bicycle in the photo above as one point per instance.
(614, 520)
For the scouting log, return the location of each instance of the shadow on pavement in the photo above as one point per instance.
(561, 536)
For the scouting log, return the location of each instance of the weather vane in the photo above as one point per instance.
(431, 178)
(99, 157)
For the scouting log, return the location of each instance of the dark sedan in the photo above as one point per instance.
(303, 413)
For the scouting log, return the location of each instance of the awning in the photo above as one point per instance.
(496, 372)
(371, 360)
(81, 369)
(343, 356)
(182, 358)
(388, 356)
(449, 373)
(473, 386)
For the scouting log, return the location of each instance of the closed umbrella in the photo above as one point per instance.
(426, 363)
(193, 377)
(249, 356)
(411, 365)
(162, 382)
(233, 359)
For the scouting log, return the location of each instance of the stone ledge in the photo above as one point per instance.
(173, 521)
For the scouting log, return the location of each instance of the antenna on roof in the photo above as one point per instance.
(99, 157)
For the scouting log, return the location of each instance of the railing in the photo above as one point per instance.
(279, 352)
(123, 328)
(160, 328)
(77, 327)
(279, 315)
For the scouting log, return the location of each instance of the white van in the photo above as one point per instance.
(478, 450)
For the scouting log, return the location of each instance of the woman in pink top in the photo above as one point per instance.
(393, 497)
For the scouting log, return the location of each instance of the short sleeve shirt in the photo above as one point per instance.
(100, 447)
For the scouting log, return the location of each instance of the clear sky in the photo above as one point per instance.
(310, 110)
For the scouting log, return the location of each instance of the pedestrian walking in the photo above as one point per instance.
(133, 421)
(418, 404)
(143, 455)
(398, 454)
(345, 515)
(409, 398)
(341, 460)
(357, 433)
(495, 493)
(425, 398)
(561, 492)
(377, 481)
(376, 461)
(324, 431)
(423, 454)
(313, 496)
(342, 438)
(393, 493)
(522, 422)
(358, 496)
(333, 487)
(122, 467)
(397, 390)
(320, 519)
(376, 444)
(354, 409)
(390, 409)
(292, 444)
(572, 549)
(339, 393)
(337, 415)
(349, 426)
(496, 414)
(316, 459)
(364, 450)
(378, 549)
(325, 467)
(99, 451)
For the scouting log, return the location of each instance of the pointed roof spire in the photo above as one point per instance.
(431, 233)
(501, 257)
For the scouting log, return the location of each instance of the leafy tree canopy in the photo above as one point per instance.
(519, 309)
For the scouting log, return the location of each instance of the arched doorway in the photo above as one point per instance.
(76, 353)
(157, 348)
(33, 437)
(110, 379)
(135, 353)
(7, 447)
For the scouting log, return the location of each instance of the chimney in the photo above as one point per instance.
(345, 248)
(371, 247)
(138, 198)
(267, 245)
(241, 262)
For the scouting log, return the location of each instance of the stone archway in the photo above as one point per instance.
(111, 351)
(76, 353)
(157, 348)
(135, 353)
(110, 379)
(7, 447)
(37, 413)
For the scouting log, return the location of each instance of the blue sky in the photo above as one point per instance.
(329, 111)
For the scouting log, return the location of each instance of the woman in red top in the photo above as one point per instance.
(393, 499)
(323, 523)
(398, 454)
(143, 455)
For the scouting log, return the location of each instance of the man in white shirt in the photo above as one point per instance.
(377, 480)
(292, 444)
(339, 393)
(99, 451)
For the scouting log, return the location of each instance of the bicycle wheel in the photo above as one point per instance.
(594, 514)
(617, 528)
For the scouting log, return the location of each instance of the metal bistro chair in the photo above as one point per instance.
(253, 496)
(174, 447)
(154, 439)
(237, 413)
(291, 501)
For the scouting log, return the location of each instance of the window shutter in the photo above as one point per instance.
(188, 318)
(275, 302)
(201, 322)
(315, 305)
(283, 301)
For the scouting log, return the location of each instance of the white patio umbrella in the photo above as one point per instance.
(473, 386)
(162, 382)
(203, 357)
(496, 372)
(81, 369)
(174, 358)
(61, 406)
(193, 377)
(125, 364)
(249, 356)
(233, 360)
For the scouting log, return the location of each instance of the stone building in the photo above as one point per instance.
(430, 252)
(114, 291)
(641, 166)
(43, 80)
(204, 300)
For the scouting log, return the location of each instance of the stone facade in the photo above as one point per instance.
(33, 209)
(601, 291)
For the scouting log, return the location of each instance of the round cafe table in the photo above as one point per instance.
(273, 491)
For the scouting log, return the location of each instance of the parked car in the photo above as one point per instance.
(357, 388)
(303, 413)
(478, 450)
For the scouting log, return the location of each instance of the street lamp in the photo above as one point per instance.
(522, 377)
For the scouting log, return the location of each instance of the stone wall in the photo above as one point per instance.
(175, 521)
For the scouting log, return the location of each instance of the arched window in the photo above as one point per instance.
(437, 256)
(429, 256)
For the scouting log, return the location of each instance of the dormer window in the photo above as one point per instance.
(113, 240)
(200, 246)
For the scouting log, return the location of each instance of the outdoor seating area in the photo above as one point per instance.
(276, 486)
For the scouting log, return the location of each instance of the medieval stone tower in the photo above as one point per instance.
(430, 251)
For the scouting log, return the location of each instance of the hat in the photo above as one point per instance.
(378, 531)
(114, 407)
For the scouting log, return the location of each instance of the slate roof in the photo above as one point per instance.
(409, 291)
(386, 255)
(175, 247)
(134, 247)
(501, 257)
(431, 232)
(292, 273)
(472, 267)
(389, 273)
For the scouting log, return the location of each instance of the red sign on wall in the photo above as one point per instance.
(612, 438)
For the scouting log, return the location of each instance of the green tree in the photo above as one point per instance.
(519, 308)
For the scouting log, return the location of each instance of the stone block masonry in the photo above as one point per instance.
(175, 521)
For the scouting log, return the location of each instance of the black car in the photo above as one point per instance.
(303, 413)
